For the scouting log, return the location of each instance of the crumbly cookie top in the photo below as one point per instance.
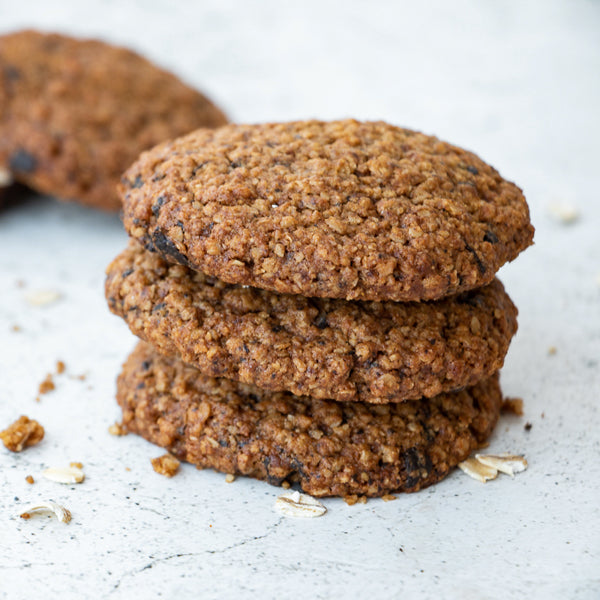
(75, 113)
(340, 209)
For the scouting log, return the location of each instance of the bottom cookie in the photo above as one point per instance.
(330, 448)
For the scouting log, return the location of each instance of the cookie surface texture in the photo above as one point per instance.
(74, 114)
(375, 352)
(329, 448)
(340, 209)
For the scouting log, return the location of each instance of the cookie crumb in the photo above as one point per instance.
(23, 433)
(389, 497)
(47, 385)
(551, 350)
(76, 465)
(29, 479)
(353, 499)
(60, 367)
(513, 405)
(285, 485)
(527, 426)
(166, 465)
(117, 429)
(61, 513)
(229, 478)
(42, 297)
(295, 504)
(15, 328)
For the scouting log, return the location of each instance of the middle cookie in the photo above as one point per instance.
(375, 352)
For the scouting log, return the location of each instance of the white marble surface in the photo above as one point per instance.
(519, 83)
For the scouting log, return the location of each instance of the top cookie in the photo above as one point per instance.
(75, 113)
(338, 209)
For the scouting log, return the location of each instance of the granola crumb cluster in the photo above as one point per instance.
(166, 465)
(23, 433)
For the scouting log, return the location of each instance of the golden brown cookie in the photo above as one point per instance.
(75, 113)
(352, 351)
(338, 209)
(329, 448)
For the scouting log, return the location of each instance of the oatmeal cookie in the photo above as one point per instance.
(75, 113)
(342, 209)
(329, 448)
(345, 350)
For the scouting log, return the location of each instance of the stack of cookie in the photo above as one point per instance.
(317, 301)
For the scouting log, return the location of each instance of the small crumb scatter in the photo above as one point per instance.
(77, 465)
(229, 478)
(388, 497)
(60, 367)
(127, 468)
(60, 512)
(355, 499)
(528, 426)
(23, 433)
(47, 385)
(166, 465)
(29, 479)
(564, 212)
(15, 328)
(42, 297)
(117, 429)
(552, 350)
(513, 405)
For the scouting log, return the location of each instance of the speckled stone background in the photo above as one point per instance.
(518, 83)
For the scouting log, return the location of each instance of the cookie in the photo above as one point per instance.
(345, 350)
(329, 448)
(75, 113)
(342, 209)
